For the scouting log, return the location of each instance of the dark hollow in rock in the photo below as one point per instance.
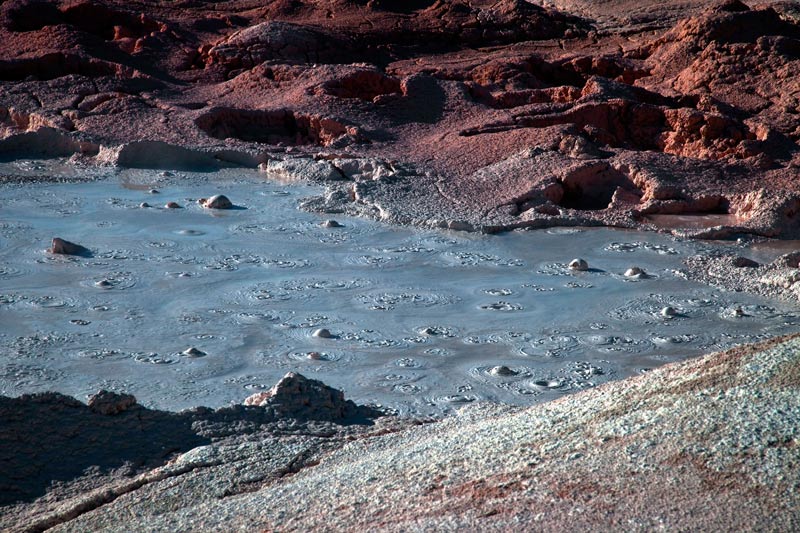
(56, 65)
(106, 22)
(744, 262)
(401, 6)
(593, 187)
(364, 85)
(90, 17)
(281, 126)
(30, 15)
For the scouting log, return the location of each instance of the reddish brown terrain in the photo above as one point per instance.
(481, 115)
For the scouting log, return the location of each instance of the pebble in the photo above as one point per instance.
(172, 205)
(578, 264)
(193, 352)
(331, 224)
(635, 272)
(322, 333)
(502, 371)
(669, 312)
(218, 201)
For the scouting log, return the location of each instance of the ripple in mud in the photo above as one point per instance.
(112, 280)
(616, 343)
(120, 255)
(370, 260)
(50, 302)
(556, 345)
(386, 301)
(373, 339)
(101, 354)
(498, 292)
(153, 358)
(33, 377)
(501, 306)
(465, 258)
(7, 272)
(438, 331)
(499, 373)
(408, 362)
(636, 246)
(452, 399)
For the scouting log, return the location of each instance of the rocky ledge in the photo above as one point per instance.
(705, 445)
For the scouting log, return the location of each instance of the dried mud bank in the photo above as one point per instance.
(658, 450)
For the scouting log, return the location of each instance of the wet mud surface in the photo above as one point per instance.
(192, 306)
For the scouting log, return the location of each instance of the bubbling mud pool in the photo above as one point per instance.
(420, 321)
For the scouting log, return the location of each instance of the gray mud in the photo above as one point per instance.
(421, 321)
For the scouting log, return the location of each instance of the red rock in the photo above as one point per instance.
(60, 246)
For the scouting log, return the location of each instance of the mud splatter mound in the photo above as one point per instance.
(298, 397)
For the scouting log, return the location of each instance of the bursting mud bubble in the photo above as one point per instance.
(197, 306)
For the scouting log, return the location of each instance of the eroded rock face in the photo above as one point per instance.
(277, 41)
(626, 109)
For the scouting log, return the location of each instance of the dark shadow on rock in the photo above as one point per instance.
(48, 438)
(423, 101)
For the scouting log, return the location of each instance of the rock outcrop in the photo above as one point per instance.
(624, 109)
